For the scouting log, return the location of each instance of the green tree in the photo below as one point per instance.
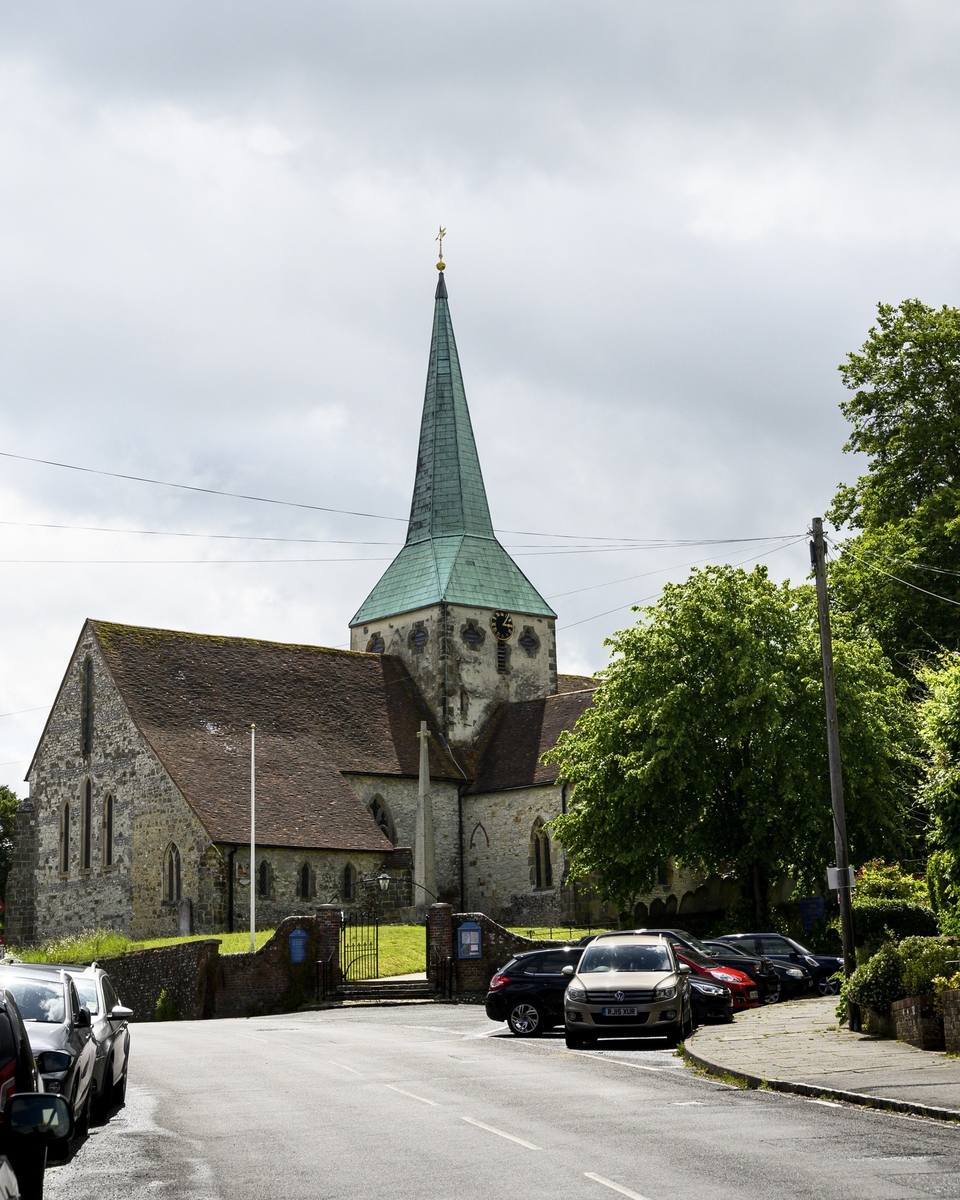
(939, 721)
(905, 413)
(9, 802)
(706, 743)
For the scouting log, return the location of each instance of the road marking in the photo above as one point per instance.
(827, 1103)
(422, 1099)
(614, 1187)
(500, 1133)
(344, 1066)
(598, 1056)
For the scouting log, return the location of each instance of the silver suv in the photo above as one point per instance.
(627, 985)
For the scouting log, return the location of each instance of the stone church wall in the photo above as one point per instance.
(499, 865)
(400, 797)
(149, 814)
(461, 678)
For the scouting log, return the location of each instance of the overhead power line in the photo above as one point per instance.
(906, 582)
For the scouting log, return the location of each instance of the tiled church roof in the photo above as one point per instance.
(519, 734)
(318, 713)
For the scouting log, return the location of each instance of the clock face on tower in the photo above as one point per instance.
(502, 625)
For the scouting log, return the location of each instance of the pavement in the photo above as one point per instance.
(799, 1046)
(435, 1102)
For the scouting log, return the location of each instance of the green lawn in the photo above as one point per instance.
(403, 949)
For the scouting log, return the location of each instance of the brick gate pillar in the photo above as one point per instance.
(439, 939)
(329, 918)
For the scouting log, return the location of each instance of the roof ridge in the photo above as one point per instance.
(120, 627)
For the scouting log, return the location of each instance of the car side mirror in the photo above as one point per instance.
(120, 1012)
(684, 969)
(567, 970)
(84, 1019)
(39, 1114)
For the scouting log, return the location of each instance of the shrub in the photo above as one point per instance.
(877, 920)
(166, 1007)
(878, 880)
(924, 959)
(941, 985)
(876, 984)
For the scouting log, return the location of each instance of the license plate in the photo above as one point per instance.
(620, 1011)
(752, 995)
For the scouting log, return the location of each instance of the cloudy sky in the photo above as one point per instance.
(668, 222)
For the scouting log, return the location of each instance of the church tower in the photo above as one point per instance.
(471, 628)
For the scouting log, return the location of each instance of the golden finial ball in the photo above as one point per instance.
(441, 265)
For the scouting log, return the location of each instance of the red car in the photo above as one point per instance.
(742, 987)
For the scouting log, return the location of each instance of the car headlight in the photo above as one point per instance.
(726, 977)
(52, 1061)
(666, 992)
(710, 989)
(794, 973)
(576, 993)
(811, 962)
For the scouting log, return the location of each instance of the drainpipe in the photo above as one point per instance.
(230, 873)
(463, 899)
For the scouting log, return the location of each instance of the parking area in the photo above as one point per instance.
(435, 1101)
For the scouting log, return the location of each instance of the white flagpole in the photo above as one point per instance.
(253, 838)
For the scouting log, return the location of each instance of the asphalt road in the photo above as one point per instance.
(430, 1102)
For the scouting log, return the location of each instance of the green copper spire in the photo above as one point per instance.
(451, 554)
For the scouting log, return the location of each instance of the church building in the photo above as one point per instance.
(416, 753)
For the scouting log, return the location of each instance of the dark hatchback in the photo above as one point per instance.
(711, 1000)
(794, 978)
(762, 971)
(822, 967)
(60, 1034)
(528, 992)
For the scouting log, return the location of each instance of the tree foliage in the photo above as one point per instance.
(9, 803)
(939, 724)
(905, 414)
(706, 743)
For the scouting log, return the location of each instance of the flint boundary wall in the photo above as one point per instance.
(203, 983)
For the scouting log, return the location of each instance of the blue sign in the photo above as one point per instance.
(811, 911)
(469, 940)
(298, 945)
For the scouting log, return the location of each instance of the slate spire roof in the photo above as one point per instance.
(451, 553)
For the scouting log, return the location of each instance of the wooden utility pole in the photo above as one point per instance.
(253, 838)
(818, 558)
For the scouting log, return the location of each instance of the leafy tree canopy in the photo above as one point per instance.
(905, 414)
(706, 743)
(939, 713)
(9, 802)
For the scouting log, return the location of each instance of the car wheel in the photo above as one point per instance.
(772, 997)
(827, 986)
(525, 1019)
(120, 1090)
(81, 1125)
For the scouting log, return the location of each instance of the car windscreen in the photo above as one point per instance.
(726, 948)
(699, 946)
(599, 957)
(38, 1001)
(87, 991)
(694, 956)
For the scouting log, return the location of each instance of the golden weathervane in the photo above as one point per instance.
(439, 238)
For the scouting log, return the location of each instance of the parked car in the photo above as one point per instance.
(761, 970)
(822, 967)
(743, 991)
(627, 985)
(23, 1147)
(527, 993)
(794, 979)
(111, 1036)
(711, 1000)
(60, 1033)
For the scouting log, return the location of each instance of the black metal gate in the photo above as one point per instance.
(359, 946)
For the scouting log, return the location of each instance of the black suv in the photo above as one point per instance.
(822, 967)
(528, 992)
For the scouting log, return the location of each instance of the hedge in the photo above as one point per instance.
(873, 917)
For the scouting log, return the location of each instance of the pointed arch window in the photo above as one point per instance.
(86, 708)
(108, 811)
(86, 828)
(349, 890)
(307, 883)
(542, 864)
(381, 814)
(172, 884)
(264, 879)
(65, 838)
